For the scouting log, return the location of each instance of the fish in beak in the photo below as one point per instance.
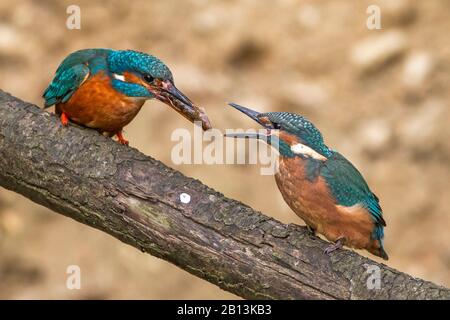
(165, 91)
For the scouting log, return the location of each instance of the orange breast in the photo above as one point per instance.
(97, 105)
(312, 201)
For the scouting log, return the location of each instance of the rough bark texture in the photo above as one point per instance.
(114, 188)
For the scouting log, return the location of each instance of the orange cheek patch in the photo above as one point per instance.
(132, 78)
(264, 120)
(288, 138)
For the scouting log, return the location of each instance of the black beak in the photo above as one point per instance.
(256, 116)
(248, 112)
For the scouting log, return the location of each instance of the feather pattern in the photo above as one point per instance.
(320, 185)
(349, 187)
(301, 127)
(72, 72)
(344, 180)
(81, 65)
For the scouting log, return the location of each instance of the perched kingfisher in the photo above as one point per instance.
(319, 184)
(104, 89)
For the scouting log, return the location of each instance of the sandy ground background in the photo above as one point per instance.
(380, 97)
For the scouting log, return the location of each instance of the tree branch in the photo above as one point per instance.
(114, 188)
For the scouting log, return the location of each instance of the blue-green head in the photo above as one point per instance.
(140, 64)
(141, 75)
(292, 134)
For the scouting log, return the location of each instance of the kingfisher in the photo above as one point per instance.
(319, 184)
(104, 89)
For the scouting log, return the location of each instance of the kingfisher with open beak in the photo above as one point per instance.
(104, 89)
(319, 184)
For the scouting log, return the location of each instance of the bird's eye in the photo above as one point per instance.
(148, 78)
(276, 125)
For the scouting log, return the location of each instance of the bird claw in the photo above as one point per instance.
(311, 230)
(121, 138)
(334, 246)
(64, 119)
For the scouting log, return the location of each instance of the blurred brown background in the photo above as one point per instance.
(380, 97)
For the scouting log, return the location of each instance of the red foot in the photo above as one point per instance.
(64, 119)
(121, 138)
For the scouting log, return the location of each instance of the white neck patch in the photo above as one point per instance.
(307, 151)
(120, 77)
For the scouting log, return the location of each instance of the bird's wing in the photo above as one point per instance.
(349, 187)
(65, 84)
(69, 76)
